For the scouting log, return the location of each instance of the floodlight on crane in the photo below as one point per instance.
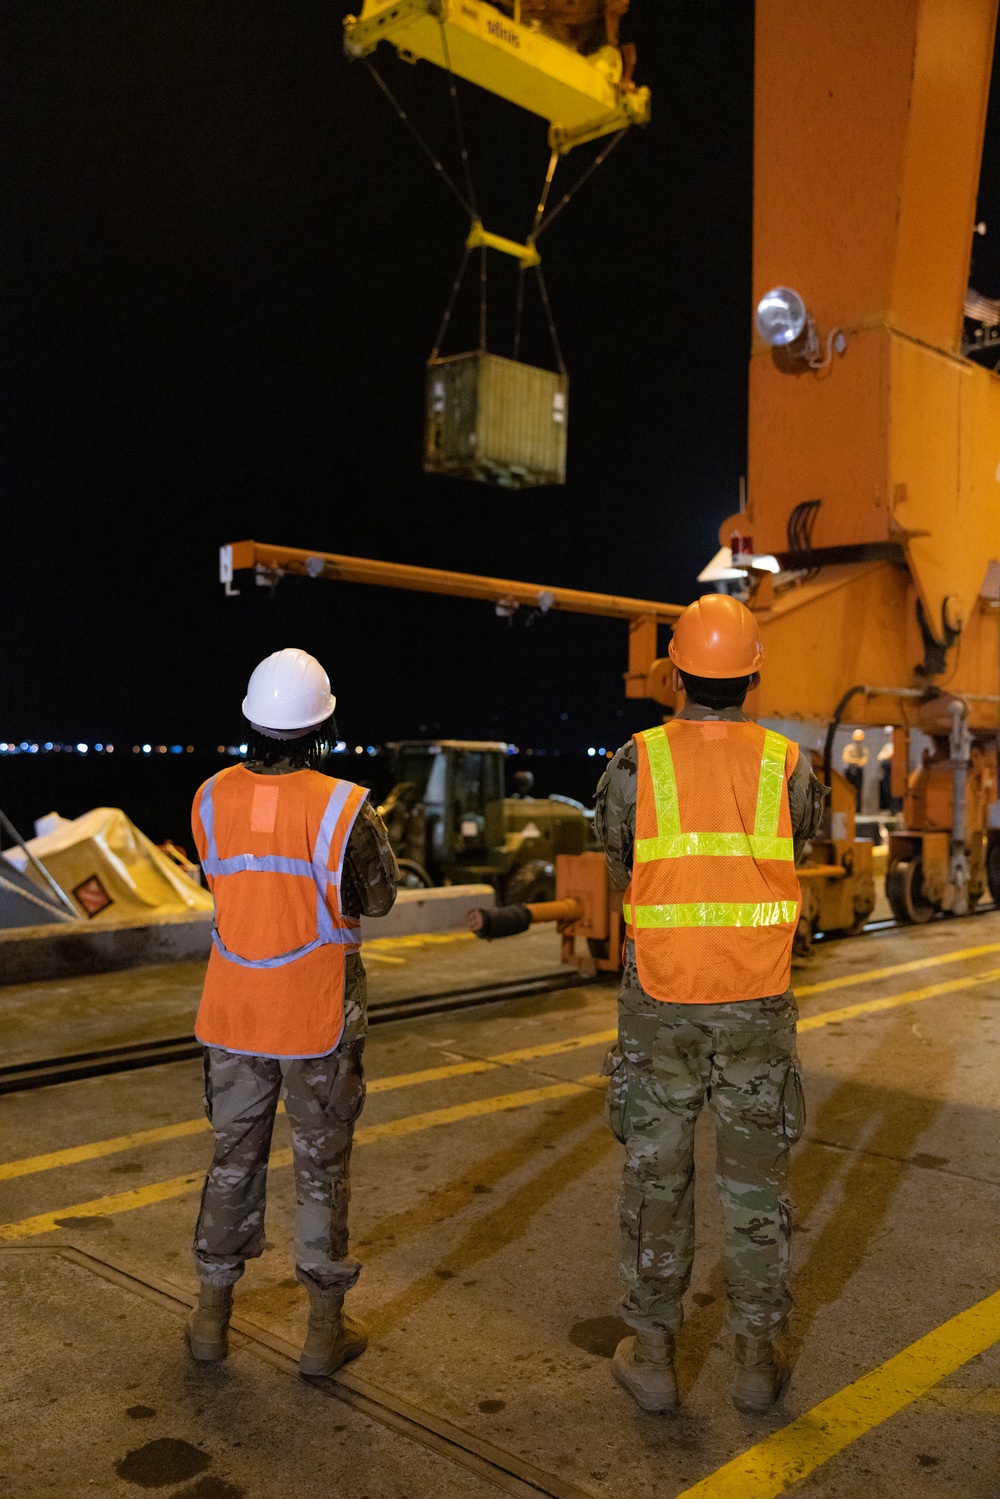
(786, 326)
(781, 317)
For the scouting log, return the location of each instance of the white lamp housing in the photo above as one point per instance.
(781, 317)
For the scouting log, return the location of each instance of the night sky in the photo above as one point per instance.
(226, 265)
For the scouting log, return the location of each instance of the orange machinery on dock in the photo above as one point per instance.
(874, 451)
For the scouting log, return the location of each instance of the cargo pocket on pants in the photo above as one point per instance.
(793, 1105)
(347, 1095)
(615, 1069)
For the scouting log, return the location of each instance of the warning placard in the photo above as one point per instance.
(92, 896)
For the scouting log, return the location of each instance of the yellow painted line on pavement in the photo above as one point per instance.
(490, 1064)
(367, 1134)
(392, 1129)
(383, 949)
(849, 980)
(417, 940)
(371, 1134)
(101, 1207)
(791, 1454)
(76, 1154)
(890, 1001)
(73, 1155)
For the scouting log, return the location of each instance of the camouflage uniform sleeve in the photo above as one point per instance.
(614, 817)
(368, 887)
(806, 801)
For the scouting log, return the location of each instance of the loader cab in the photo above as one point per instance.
(450, 822)
(446, 811)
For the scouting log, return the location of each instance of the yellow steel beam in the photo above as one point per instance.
(479, 237)
(276, 559)
(580, 97)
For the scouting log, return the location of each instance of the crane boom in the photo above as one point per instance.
(648, 675)
(341, 569)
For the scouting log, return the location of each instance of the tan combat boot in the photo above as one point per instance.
(761, 1375)
(208, 1324)
(331, 1338)
(644, 1365)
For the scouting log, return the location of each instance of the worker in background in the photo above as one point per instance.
(886, 801)
(702, 819)
(524, 785)
(854, 758)
(294, 858)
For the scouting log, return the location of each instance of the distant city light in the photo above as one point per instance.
(340, 747)
(147, 749)
(98, 747)
(371, 749)
(177, 749)
(591, 753)
(81, 749)
(359, 749)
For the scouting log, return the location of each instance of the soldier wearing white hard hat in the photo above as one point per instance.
(294, 858)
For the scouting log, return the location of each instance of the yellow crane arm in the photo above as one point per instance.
(647, 676)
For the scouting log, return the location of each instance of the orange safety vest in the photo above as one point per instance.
(272, 848)
(714, 899)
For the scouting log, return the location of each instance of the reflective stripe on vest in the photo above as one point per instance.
(327, 934)
(701, 913)
(671, 843)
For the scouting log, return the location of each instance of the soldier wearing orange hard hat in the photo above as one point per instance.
(701, 820)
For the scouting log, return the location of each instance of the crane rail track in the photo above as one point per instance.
(21, 1077)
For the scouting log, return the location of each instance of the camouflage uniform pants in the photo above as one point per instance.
(323, 1098)
(670, 1060)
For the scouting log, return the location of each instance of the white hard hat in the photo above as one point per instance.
(288, 691)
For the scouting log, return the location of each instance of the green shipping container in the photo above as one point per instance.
(496, 420)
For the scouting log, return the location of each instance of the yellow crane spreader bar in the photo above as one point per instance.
(479, 238)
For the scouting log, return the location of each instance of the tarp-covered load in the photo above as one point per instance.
(108, 868)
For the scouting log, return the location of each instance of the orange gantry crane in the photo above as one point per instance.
(874, 449)
(873, 472)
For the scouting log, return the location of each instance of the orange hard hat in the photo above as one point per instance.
(716, 636)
